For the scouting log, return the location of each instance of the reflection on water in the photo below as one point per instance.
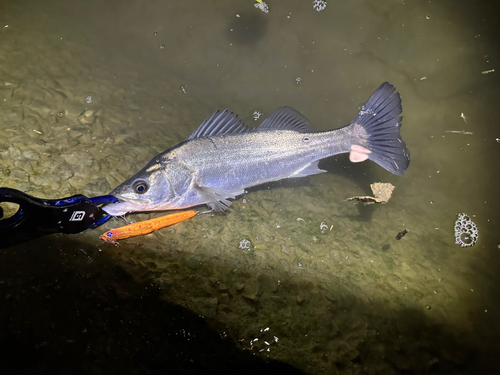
(89, 93)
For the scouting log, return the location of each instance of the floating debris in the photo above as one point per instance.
(319, 5)
(488, 71)
(463, 117)
(183, 89)
(88, 100)
(297, 80)
(401, 234)
(459, 132)
(256, 115)
(466, 232)
(381, 190)
(262, 6)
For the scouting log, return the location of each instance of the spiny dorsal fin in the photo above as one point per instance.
(224, 122)
(286, 118)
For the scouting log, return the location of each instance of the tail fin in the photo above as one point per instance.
(380, 119)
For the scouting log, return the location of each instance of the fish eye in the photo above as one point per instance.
(140, 186)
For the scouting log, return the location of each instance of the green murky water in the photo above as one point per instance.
(91, 91)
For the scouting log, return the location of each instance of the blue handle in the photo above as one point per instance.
(98, 201)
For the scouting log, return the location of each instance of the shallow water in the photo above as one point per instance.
(91, 91)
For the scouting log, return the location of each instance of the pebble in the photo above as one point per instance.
(87, 117)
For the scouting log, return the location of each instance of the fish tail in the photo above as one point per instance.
(380, 139)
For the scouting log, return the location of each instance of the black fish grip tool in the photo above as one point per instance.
(37, 217)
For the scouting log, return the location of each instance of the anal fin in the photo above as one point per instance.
(358, 153)
(308, 170)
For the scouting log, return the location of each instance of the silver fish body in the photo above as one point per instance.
(223, 157)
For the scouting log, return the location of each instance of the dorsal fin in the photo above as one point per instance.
(286, 118)
(220, 123)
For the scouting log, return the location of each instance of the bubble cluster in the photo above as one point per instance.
(263, 341)
(245, 245)
(256, 115)
(323, 227)
(262, 6)
(466, 232)
(319, 5)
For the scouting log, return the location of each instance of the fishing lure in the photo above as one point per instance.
(145, 227)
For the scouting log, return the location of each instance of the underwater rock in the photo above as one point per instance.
(401, 234)
(206, 307)
(251, 289)
(87, 117)
(466, 232)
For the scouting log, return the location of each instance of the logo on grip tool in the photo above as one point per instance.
(77, 216)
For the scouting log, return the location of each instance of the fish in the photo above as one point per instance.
(223, 157)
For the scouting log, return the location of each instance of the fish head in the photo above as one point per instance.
(148, 190)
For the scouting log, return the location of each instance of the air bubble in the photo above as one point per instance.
(466, 232)
(466, 238)
(319, 5)
(323, 227)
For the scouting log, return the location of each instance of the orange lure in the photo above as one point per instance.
(145, 227)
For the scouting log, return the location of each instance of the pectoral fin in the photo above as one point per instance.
(217, 199)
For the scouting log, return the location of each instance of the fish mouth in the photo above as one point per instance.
(126, 205)
(122, 199)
